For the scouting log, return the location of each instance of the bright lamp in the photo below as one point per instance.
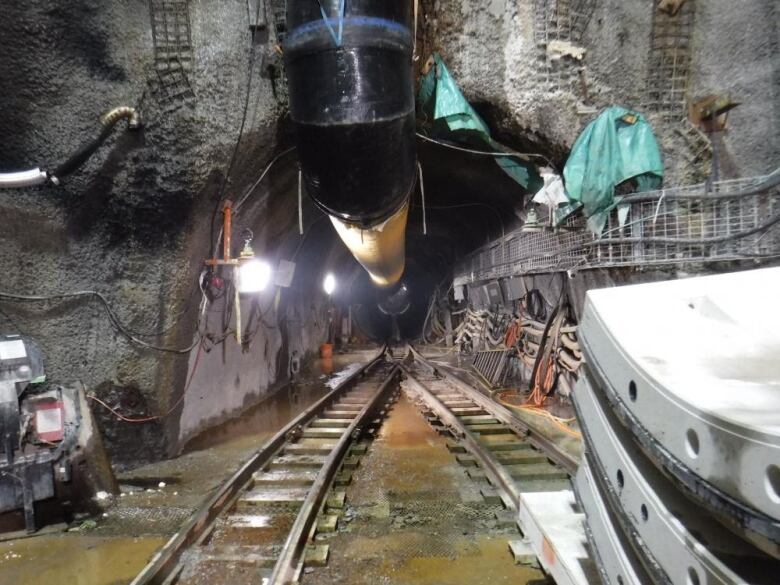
(253, 276)
(329, 284)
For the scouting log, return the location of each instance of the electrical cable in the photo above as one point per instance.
(522, 155)
(234, 154)
(254, 185)
(770, 181)
(112, 316)
(146, 419)
(535, 305)
(422, 198)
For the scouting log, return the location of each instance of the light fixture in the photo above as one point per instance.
(532, 223)
(253, 276)
(329, 284)
(250, 274)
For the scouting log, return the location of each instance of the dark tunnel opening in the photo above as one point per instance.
(469, 201)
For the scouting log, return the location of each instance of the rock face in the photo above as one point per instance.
(503, 54)
(135, 223)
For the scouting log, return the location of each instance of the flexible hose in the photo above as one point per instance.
(108, 122)
(18, 179)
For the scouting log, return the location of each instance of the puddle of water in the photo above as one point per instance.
(412, 524)
(77, 560)
(270, 415)
(341, 375)
(486, 563)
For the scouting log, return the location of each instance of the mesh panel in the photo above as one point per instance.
(172, 40)
(673, 226)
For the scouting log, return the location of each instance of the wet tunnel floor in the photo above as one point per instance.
(111, 549)
(413, 517)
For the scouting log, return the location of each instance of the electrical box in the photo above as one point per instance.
(460, 293)
(513, 288)
(493, 293)
(284, 273)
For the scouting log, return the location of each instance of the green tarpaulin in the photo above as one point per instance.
(617, 146)
(448, 115)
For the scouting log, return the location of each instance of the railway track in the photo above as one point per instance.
(529, 473)
(514, 463)
(259, 525)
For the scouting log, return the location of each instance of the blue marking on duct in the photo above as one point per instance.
(352, 22)
(336, 37)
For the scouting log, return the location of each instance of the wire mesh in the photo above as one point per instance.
(172, 41)
(559, 20)
(700, 223)
(279, 12)
(670, 62)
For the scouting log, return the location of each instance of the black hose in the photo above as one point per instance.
(542, 344)
(82, 155)
(535, 305)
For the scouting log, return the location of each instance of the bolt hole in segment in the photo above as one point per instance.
(632, 391)
(693, 577)
(709, 412)
(620, 480)
(773, 483)
(692, 443)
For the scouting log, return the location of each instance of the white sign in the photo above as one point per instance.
(12, 350)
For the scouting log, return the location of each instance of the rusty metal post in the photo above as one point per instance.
(227, 231)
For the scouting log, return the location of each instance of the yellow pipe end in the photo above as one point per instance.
(379, 249)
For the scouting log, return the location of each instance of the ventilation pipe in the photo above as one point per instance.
(349, 69)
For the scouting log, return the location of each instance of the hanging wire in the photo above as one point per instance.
(422, 196)
(300, 201)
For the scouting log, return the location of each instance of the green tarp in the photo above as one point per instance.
(618, 145)
(446, 114)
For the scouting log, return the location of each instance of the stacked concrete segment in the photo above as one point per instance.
(681, 422)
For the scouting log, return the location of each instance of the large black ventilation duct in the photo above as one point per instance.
(349, 69)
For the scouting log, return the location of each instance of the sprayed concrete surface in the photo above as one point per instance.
(156, 499)
(414, 517)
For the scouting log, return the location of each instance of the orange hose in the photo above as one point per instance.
(543, 382)
(513, 333)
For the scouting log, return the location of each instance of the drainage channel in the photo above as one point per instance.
(259, 527)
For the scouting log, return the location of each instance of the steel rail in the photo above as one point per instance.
(290, 562)
(161, 568)
(498, 474)
(504, 415)
(563, 557)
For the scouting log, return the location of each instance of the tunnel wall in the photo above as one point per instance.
(133, 223)
(494, 54)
